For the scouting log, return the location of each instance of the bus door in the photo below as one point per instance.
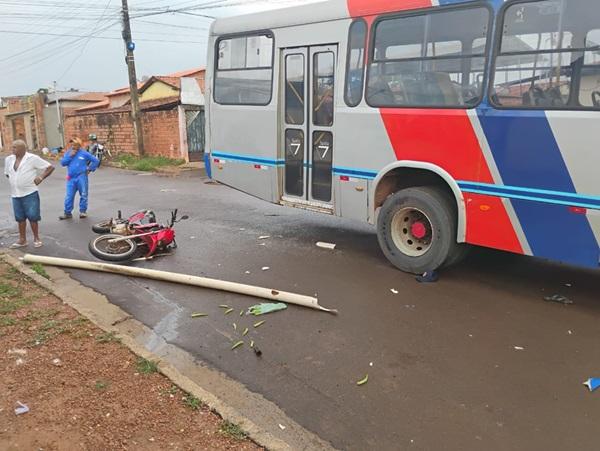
(308, 125)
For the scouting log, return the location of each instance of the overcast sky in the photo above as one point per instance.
(34, 50)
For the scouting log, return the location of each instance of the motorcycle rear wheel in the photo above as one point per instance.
(121, 251)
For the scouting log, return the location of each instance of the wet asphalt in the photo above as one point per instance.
(475, 361)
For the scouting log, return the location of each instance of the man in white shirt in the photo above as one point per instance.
(25, 171)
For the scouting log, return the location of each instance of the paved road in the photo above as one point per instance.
(445, 373)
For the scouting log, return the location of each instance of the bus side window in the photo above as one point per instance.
(548, 56)
(429, 60)
(355, 64)
(244, 70)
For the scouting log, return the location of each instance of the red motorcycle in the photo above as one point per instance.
(150, 238)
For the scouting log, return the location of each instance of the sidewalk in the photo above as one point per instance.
(86, 390)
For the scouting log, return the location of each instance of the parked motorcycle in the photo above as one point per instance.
(122, 226)
(97, 149)
(149, 238)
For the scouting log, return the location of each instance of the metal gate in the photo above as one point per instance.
(195, 134)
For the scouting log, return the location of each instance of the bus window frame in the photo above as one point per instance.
(497, 52)
(365, 63)
(434, 10)
(266, 32)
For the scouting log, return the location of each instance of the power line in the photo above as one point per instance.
(97, 37)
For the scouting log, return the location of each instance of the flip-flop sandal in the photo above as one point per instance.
(18, 245)
(38, 244)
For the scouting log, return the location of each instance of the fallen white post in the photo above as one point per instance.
(249, 290)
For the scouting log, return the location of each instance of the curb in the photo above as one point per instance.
(110, 318)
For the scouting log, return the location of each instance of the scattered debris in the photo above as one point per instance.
(370, 363)
(237, 345)
(559, 299)
(247, 272)
(264, 237)
(323, 245)
(21, 409)
(263, 309)
(241, 313)
(363, 381)
(262, 244)
(428, 277)
(519, 348)
(228, 311)
(17, 351)
(568, 285)
(234, 326)
(225, 306)
(199, 315)
(260, 323)
(56, 362)
(242, 229)
(19, 361)
(192, 238)
(570, 332)
(265, 268)
(282, 427)
(167, 190)
(257, 351)
(245, 332)
(592, 383)
(393, 290)
(251, 343)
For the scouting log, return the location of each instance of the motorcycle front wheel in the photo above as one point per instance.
(103, 248)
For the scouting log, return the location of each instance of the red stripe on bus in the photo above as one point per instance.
(446, 138)
(359, 8)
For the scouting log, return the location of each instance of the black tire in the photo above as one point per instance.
(119, 252)
(402, 249)
(102, 227)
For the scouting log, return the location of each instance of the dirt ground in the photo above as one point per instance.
(84, 389)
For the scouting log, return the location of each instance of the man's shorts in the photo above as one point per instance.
(27, 207)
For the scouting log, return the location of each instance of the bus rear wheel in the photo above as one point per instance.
(416, 229)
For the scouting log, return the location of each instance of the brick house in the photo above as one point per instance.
(172, 117)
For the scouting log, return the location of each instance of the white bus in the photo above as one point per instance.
(446, 123)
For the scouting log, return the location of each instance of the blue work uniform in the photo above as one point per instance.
(77, 177)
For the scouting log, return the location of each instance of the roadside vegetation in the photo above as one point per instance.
(149, 164)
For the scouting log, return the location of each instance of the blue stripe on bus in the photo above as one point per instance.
(354, 172)
(518, 193)
(527, 155)
(515, 192)
(247, 158)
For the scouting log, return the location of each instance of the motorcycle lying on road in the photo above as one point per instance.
(145, 239)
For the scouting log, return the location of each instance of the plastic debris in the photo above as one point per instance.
(241, 313)
(17, 351)
(247, 272)
(519, 348)
(363, 381)
(370, 363)
(570, 332)
(265, 268)
(264, 237)
(228, 311)
(251, 343)
(245, 332)
(263, 309)
(282, 427)
(56, 362)
(592, 383)
(19, 361)
(559, 299)
(234, 326)
(323, 245)
(393, 290)
(225, 306)
(428, 277)
(260, 323)
(237, 345)
(199, 315)
(21, 409)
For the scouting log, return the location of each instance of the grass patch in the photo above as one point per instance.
(6, 321)
(108, 337)
(232, 430)
(129, 161)
(51, 328)
(8, 291)
(146, 366)
(101, 385)
(192, 402)
(39, 269)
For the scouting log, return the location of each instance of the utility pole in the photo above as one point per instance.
(133, 89)
(59, 117)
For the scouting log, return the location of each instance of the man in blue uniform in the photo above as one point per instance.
(79, 164)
